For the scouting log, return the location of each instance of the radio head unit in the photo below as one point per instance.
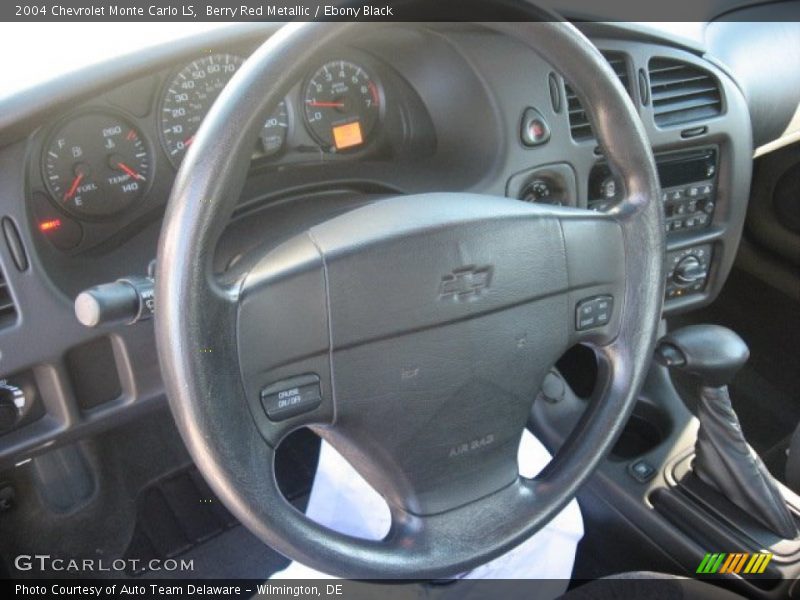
(688, 188)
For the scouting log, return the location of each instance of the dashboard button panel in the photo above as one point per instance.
(688, 207)
(688, 192)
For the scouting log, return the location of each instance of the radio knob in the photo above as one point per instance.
(688, 271)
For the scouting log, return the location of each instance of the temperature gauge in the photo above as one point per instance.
(96, 165)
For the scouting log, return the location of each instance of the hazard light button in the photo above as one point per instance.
(534, 130)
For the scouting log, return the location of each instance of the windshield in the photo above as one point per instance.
(89, 43)
(92, 43)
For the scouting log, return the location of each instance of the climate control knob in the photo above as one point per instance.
(688, 271)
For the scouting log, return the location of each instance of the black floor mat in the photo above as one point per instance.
(123, 461)
(765, 392)
(173, 516)
(179, 516)
(234, 554)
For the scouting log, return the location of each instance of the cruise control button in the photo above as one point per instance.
(291, 397)
(593, 312)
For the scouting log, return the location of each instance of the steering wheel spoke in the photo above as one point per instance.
(596, 265)
(283, 334)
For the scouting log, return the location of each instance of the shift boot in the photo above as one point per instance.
(724, 460)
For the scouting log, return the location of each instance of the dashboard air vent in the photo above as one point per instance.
(682, 93)
(8, 312)
(578, 120)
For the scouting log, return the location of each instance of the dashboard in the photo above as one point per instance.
(88, 161)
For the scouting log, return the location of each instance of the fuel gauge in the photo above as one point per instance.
(96, 165)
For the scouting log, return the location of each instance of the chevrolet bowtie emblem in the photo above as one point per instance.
(465, 282)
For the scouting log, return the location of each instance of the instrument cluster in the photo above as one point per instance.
(341, 106)
(99, 162)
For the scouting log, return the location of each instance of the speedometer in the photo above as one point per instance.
(342, 105)
(189, 96)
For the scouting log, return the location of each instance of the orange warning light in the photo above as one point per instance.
(50, 225)
(347, 136)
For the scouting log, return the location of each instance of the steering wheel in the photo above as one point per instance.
(412, 333)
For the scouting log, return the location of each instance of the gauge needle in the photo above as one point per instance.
(326, 104)
(188, 141)
(129, 171)
(74, 187)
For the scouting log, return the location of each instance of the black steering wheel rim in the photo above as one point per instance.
(199, 344)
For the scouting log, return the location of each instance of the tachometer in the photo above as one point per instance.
(96, 165)
(342, 105)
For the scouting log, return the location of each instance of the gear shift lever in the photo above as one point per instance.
(723, 459)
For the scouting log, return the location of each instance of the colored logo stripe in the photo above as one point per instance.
(758, 564)
(734, 563)
(710, 563)
(721, 562)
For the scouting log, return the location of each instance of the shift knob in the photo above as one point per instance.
(711, 353)
(723, 458)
